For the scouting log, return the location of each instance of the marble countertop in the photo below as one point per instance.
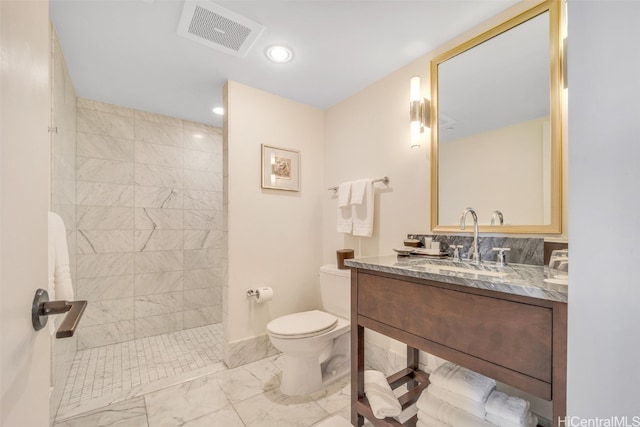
(517, 279)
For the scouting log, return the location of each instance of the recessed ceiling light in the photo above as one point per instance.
(279, 54)
(218, 110)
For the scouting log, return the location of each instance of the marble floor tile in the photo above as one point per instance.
(249, 380)
(334, 421)
(226, 417)
(179, 405)
(131, 413)
(334, 397)
(273, 409)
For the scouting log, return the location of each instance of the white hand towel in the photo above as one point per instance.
(463, 381)
(362, 207)
(426, 420)
(531, 421)
(63, 288)
(344, 220)
(511, 408)
(381, 398)
(407, 413)
(457, 400)
(344, 194)
(447, 413)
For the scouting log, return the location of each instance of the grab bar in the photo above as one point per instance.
(42, 308)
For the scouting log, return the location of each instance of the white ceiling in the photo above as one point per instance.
(127, 52)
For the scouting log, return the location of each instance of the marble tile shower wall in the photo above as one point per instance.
(149, 219)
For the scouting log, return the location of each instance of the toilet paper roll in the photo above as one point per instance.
(264, 294)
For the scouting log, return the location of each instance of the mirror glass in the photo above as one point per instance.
(495, 137)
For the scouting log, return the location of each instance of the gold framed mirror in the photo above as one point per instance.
(496, 129)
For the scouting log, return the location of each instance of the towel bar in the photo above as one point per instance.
(385, 180)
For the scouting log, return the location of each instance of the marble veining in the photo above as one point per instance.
(158, 197)
(523, 250)
(104, 194)
(104, 147)
(101, 170)
(152, 218)
(156, 154)
(525, 280)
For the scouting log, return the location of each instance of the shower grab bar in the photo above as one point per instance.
(42, 308)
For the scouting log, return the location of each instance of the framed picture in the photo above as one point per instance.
(280, 168)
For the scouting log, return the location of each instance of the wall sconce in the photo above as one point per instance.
(419, 111)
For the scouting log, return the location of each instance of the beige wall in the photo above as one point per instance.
(367, 136)
(274, 236)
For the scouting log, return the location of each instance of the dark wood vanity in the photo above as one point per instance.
(516, 339)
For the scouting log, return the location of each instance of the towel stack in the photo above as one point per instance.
(355, 207)
(459, 397)
(509, 411)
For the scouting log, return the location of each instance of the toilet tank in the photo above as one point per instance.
(335, 289)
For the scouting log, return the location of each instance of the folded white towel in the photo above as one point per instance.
(462, 381)
(362, 207)
(457, 400)
(407, 413)
(510, 408)
(381, 398)
(344, 221)
(531, 421)
(344, 194)
(447, 413)
(345, 211)
(62, 286)
(426, 420)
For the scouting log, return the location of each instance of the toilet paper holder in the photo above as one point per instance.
(253, 293)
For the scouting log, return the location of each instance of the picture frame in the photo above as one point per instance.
(280, 168)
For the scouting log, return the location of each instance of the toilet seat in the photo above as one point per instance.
(302, 325)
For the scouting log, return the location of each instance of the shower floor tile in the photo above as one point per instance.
(117, 369)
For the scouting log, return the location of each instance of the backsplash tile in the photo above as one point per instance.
(523, 250)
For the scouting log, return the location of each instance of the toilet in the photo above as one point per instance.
(316, 343)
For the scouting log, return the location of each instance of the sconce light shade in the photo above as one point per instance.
(418, 112)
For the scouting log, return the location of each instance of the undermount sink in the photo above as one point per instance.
(450, 270)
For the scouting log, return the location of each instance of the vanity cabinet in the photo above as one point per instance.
(517, 340)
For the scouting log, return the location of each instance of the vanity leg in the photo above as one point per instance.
(413, 362)
(357, 372)
(357, 354)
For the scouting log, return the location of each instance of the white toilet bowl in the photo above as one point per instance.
(316, 344)
(316, 349)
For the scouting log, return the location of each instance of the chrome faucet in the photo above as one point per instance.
(475, 256)
(497, 214)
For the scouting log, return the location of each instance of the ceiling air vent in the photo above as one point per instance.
(218, 28)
